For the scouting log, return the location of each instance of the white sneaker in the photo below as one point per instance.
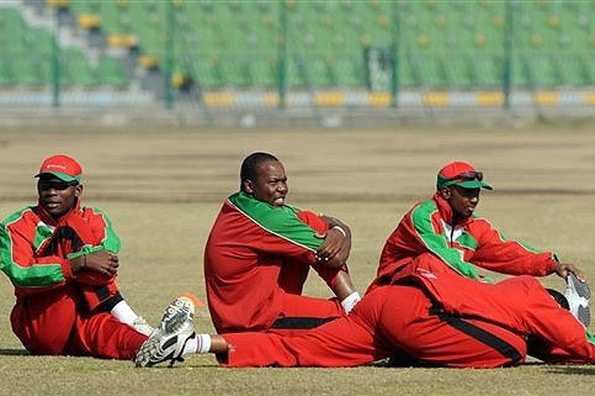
(168, 341)
(141, 325)
(578, 295)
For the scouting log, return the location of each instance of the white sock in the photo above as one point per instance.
(124, 313)
(350, 301)
(199, 344)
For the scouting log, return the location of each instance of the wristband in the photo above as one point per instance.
(349, 302)
(341, 230)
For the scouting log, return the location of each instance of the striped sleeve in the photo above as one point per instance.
(421, 218)
(32, 274)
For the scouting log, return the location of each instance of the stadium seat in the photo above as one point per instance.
(110, 71)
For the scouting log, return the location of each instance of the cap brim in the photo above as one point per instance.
(471, 184)
(62, 176)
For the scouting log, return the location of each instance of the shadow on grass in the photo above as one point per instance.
(14, 352)
(573, 370)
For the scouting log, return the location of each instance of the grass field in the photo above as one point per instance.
(163, 189)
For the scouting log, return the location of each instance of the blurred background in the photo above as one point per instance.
(326, 63)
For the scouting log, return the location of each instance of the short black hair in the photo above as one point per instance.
(250, 163)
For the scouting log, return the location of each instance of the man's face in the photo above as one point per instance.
(270, 184)
(463, 201)
(56, 196)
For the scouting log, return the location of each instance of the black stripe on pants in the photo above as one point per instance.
(299, 323)
(481, 335)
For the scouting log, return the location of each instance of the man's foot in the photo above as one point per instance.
(578, 295)
(168, 341)
(141, 325)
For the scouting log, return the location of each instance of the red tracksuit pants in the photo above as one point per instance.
(399, 320)
(390, 320)
(300, 312)
(56, 323)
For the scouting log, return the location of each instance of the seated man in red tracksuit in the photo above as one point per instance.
(259, 253)
(426, 315)
(445, 227)
(61, 259)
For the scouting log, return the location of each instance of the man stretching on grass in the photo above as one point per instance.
(430, 318)
(260, 251)
(62, 260)
(445, 229)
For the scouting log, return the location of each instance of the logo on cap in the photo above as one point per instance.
(51, 166)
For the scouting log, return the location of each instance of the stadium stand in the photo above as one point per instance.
(27, 58)
(440, 44)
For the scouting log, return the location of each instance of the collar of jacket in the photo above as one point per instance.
(446, 211)
(48, 219)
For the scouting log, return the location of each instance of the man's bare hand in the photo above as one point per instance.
(335, 249)
(103, 262)
(564, 269)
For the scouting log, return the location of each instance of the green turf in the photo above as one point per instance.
(163, 194)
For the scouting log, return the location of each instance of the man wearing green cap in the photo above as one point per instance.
(62, 260)
(444, 229)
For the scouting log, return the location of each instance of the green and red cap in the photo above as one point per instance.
(63, 167)
(461, 174)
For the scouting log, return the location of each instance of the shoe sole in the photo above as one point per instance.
(582, 290)
(177, 313)
(584, 315)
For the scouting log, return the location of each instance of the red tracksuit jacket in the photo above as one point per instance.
(250, 250)
(36, 259)
(426, 228)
